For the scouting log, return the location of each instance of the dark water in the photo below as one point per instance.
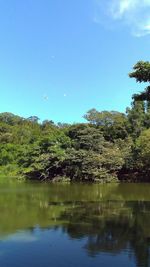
(74, 225)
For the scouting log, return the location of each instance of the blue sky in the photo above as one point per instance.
(58, 59)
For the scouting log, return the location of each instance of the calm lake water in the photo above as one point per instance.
(74, 225)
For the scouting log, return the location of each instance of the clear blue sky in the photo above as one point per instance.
(58, 59)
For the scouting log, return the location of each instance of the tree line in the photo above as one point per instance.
(109, 146)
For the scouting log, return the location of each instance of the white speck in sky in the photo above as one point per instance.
(45, 97)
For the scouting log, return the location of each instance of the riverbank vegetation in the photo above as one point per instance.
(109, 146)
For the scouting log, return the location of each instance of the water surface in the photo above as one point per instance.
(43, 225)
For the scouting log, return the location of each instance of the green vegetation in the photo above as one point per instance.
(110, 146)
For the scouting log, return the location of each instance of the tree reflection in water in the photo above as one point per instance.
(110, 219)
(112, 227)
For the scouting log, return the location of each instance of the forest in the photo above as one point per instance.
(110, 146)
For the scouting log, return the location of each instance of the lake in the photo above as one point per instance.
(77, 225)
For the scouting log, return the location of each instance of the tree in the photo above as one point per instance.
(141, 72)
(139, 115)
(108, 145)
(136, 118)
(33, 119)
(113, 124)
(10, 118)
(143, 151)
(86, 137)
(89, 166)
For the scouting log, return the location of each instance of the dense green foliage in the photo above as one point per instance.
(109, 146)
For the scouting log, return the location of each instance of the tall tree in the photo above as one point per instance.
(141, 72)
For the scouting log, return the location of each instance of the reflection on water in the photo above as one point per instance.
(74, 225)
